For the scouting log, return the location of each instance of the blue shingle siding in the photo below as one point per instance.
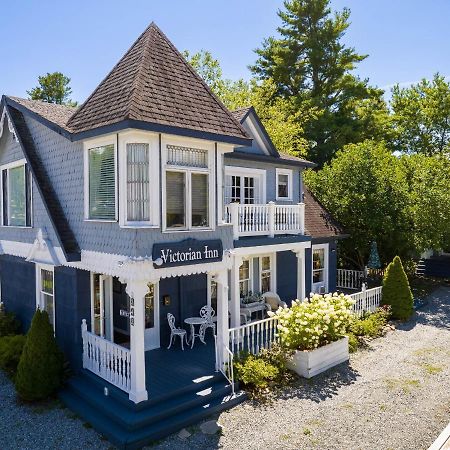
(18, 288)
(271, 178)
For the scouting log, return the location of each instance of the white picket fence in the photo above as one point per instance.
(350, 279)
(106, 359)
(368, 300)
(253, 336)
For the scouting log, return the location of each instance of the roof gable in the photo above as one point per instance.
(152, 83)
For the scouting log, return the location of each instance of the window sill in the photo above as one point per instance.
(139, 226)
(283, 199)
(192, 230)
(100, 220)
(21, 227)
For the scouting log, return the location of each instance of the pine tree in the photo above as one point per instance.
(40, 369)
(53, 88)
(310, 64)
(374, 258)
(396, 291)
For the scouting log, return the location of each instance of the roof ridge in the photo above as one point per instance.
(194, 72)
(152, 24)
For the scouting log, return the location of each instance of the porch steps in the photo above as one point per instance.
(131, 426)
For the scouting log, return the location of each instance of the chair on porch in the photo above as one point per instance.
(273, 301)
(208, 313)
(174, 331)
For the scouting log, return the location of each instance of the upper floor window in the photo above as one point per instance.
(187, 190)
(16, 195)
(244, 186)
(138, 183)
(102, 183)
(284, 184)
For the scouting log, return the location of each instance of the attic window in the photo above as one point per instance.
(16, 195)
(187, 156)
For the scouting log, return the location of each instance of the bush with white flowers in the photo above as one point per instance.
(315, 322)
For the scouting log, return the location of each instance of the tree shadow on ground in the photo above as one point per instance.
(321, 387)
(435, 313)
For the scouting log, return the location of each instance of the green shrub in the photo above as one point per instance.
(353, 342)
(9, 325)
(39, 373)
(253, 371)
(372, 324)
(10, 351)
(396, 291)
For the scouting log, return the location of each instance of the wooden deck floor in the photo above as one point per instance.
(170, 370)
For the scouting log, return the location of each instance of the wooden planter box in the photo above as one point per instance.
(308, 363)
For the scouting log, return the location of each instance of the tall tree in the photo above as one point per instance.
(310, 64)
(53, 88)
(421, 117)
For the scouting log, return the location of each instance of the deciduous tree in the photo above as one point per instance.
(53, 88)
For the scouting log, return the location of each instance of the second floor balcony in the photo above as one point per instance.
(265, 219)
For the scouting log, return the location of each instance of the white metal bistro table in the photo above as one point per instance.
(192, 321)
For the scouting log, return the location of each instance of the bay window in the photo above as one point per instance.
(16, 195)
(101, 183)
(187, 188)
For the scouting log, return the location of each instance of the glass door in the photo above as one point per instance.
(151, 312)
(101, 306)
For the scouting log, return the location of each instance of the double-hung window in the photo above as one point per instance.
(46, 292)
(284, 184)
(319, 267)
(101, 163)
(265, 270)
(16, 195)
(187, 189)
(245, 282)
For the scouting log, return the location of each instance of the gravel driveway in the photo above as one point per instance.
(394, 395)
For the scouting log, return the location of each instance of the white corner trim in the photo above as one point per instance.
(11, 129)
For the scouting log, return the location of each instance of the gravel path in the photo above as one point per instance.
(393, 396)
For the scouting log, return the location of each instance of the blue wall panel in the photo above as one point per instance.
(287, 276)
(308, 271)
(18, 285)
(332, 266)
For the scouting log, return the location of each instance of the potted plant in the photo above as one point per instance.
(315, 329)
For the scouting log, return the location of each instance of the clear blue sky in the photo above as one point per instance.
(405, 39)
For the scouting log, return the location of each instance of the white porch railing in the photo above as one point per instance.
(368, 300)
(226, 367)
(350, 279)
(106, 359)
(267, 219)
(254, 336)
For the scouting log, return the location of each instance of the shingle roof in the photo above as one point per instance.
(57, 114)
(49, 197)
(153, 83)
(240, 113)
(318, 221)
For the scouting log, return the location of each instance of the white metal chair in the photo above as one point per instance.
(174, 331)
(207, 312)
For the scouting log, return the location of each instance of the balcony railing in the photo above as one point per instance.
(268, 219)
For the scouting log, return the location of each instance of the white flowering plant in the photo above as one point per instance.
(315, 322)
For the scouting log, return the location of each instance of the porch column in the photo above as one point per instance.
(300, 274)
(235, 304)
(221, 278)
(137, 291)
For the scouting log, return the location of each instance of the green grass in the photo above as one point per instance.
(405, 384)
(431, 369)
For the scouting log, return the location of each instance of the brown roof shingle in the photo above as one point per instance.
(318, 221)
(153, 83)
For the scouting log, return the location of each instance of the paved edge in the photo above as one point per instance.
(442, 439)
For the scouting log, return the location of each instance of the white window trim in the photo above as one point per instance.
(273, 271)
(39, 304)
(289, 173)
(87, 145)
(251, 284)
(316, 286)
(110, 296)
(249, 172)
(135, 137)
(13, 165)
(210, 171)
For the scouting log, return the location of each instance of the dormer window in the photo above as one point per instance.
(284, 184)
(16, 194)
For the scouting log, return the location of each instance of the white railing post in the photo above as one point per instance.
(85, 343)
(234, 216)
(301, 213)
(272, 210)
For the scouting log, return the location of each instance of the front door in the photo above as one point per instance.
(152, 318)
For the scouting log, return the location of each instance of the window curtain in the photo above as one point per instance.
(138, 183)
(17, 197)
(175, 199)
(102, 183)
